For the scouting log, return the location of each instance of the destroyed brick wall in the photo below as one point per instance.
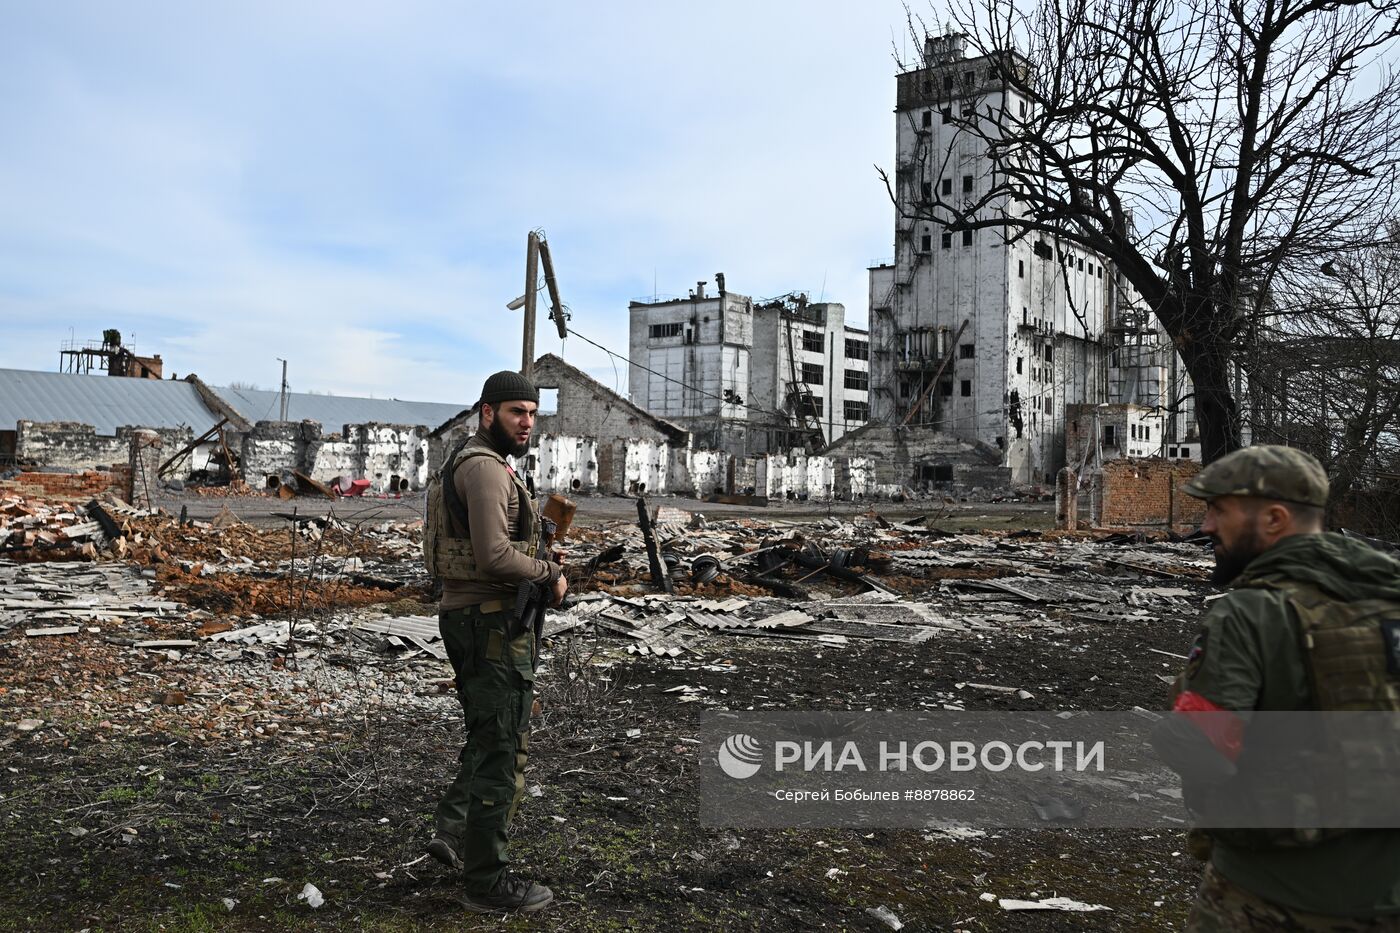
(699, 472)
(566, 464)
(69, 487)
(584, 407)
(76, 446)
(794, 476)
(384, 451)
(272, 447)
(647, 467)
(1137, 493)
(923, 458)
(385, 454)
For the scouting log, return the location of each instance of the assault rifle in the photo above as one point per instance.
(532, 600)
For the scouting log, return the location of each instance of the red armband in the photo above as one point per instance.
(1224, 729)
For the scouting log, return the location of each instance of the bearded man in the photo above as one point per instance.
(1311, 623)
(481, 540)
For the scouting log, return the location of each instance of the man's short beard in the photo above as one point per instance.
(1230, 564)
(503, 442)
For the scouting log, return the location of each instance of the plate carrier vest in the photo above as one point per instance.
(449, 557)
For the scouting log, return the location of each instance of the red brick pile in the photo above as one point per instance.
(69, 487)
(33, 529)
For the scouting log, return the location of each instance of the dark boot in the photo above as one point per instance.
(444, 849)
(511, 893)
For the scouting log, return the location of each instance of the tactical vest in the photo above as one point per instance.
(449, 557)
(1350, 649)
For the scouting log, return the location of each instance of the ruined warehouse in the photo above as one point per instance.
(79, 421)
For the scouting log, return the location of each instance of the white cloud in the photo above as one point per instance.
(349, 186)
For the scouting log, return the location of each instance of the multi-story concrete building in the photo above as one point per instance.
(750, 378)
(993, 337)
(975, 333)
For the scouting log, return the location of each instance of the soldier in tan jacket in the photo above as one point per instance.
(481, 537)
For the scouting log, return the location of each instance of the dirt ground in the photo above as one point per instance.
(172, 827)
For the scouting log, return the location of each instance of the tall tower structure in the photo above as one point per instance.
(977, 332)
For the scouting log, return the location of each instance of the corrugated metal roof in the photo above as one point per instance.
(105, 402)
(336, 411)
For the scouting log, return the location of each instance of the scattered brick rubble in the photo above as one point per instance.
(225, 630)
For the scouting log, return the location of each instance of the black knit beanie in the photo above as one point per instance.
(506, 386)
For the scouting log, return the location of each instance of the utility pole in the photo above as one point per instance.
(537, 251)
(282, 395)
(532, 265)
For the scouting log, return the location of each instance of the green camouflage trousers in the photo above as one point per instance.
(495, 684)
(1224, 907)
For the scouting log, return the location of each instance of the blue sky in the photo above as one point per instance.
(349, 185)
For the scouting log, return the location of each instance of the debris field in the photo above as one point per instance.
(273, 701)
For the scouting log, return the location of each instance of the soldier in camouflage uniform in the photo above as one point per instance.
(480, 538)
(1308, 625)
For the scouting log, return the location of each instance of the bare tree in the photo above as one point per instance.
(1325, 375)
(1200, 146)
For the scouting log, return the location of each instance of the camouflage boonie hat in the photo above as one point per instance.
(1266, 471)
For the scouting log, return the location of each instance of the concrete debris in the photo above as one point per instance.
(865, 579)
(1050, 903)
(883, 914)
(56, 630)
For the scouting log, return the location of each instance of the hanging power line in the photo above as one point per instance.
(678, 382)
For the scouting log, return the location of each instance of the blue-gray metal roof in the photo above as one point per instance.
(105, 402)
(336, 411)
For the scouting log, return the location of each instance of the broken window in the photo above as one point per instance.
(967, 352)
(947, 186)
(1110, 436)
(1081, 263)
(947, 114)
(858, 379)
(967, 238)
(1019, 361)
(549, 401)
(1049, 353)
(662, 331)
(925, 243)
(948, 83)
(857, 349)
(1048, 405)
(1042, 249)
(945, 388)
(947, 240)
(926, 191)
(813, 341)
(936, 472)
(857, 411)
(965, 390)
(967, 184)
(928, 118)
(1023, 108)
(1020, 268)
(812, 373)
